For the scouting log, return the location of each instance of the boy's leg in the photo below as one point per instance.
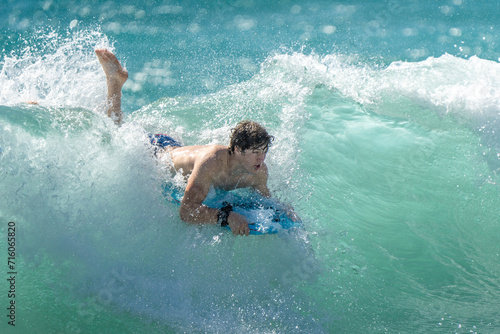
(116, 76)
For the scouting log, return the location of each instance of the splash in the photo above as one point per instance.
(55, 69)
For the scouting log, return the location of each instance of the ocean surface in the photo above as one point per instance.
(387, 123)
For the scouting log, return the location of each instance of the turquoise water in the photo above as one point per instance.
(386, 118)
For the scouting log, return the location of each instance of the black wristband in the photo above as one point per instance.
(223, 214)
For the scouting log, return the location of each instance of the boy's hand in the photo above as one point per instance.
(238, 224)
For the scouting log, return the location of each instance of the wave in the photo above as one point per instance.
(71, 76)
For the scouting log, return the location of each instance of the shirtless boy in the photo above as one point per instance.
(240, 165)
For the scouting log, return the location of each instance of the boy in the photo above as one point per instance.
(240, 165)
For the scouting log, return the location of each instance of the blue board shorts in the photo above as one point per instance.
(161, 141)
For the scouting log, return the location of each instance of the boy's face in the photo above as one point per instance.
(253, 158)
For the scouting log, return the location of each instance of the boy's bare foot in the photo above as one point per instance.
(116, 75)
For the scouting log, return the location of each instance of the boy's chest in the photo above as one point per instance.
(230, 182)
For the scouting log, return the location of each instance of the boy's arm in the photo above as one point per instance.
(192, 208)
(261, 187)
(260, 184)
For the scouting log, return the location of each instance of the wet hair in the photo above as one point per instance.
(249, 134)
